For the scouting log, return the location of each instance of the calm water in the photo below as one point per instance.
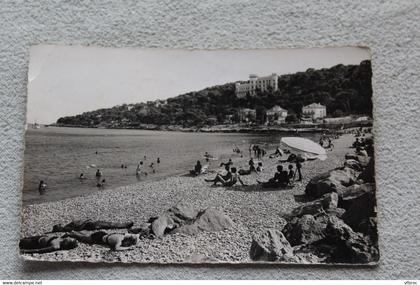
(59, 155)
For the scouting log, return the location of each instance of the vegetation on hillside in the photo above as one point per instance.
(344, 89)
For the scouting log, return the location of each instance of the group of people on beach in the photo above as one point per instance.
(231, 175)
(100, 181)
(85, 231)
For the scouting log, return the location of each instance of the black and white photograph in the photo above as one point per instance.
(199, 156)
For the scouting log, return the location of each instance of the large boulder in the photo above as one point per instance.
(163, 225)
(332, 181)
(304, 230)
(369, 227)
(368, 174)
(209, 220)
(184, 212)
(327, 202)
(361, 208)
(349, 194)
(176, 217)
(353, 164)
(352, 156)
(351, 247)
(271, 246)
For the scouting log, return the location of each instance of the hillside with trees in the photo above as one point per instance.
(343, 89)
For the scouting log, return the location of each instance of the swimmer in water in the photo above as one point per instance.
(82, 176)
(42, 187)
(101, 184)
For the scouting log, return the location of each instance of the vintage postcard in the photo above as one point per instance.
(199, 156)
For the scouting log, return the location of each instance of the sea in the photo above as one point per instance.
(59, 155)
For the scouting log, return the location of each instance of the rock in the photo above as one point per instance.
(369, 227)
(162, 225)
(356, 190)
(184, 211)
(271, 246)
(209, 220)
(353, 164)
(361, 208)
(212, 220)
(304, 230)
(352, 156)
(306, 254)
(363, 160)
(338, 212)
(326, 202)
(351, 247)
(332, 181)
(368, 175)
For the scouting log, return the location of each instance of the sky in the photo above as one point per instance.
(70, 80)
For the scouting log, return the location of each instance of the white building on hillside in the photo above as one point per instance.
(254, 83)
(276, 115)
(315, 111)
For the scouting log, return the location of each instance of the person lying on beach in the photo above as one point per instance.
(116, 241)
(45, 244)
(280, 179)
(89, 225)
(229, 163)
(234, 178)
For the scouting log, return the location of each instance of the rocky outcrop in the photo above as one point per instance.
(326, 203)
(368, 174)
(304, 230)
(351, 247)
(332, 181)
(209, 220)
(184, 219)
(273, 246)
(353, 164)
(354, 191)
(362, 207)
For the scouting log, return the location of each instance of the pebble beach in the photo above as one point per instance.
(251, 208)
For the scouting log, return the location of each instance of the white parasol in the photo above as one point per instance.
(311, 149)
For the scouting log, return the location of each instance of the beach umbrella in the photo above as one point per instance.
(310, 149)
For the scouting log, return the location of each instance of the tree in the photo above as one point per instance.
(338, 113)
(291, 118)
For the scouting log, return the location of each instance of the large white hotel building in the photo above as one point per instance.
(254, 83)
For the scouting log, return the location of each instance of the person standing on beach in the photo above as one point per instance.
(98, 174)
(158, 160)
(138, 169)
(298, 167)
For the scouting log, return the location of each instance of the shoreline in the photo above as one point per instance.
(258, 129)
(250, 207)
